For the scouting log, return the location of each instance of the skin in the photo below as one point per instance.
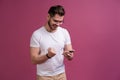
(50, 26)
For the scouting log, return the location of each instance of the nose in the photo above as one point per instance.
(58, 23)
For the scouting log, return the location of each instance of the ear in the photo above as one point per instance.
(48, 16)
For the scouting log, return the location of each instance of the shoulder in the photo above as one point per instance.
(37, 33)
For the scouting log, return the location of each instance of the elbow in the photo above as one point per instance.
(33, 62)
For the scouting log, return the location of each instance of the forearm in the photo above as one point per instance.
(39, 59)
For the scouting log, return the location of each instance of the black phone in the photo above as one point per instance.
(71, 51)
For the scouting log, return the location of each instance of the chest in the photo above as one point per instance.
(55, 40)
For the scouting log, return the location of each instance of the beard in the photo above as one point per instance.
(52, 26)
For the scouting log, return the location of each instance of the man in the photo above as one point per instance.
(49, 45)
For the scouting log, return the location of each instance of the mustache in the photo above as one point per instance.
(50, 26)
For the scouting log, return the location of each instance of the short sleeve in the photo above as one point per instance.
(67, 37)
(34, 41)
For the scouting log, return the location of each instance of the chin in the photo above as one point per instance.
(54, 28)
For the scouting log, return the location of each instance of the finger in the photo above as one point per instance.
(68, 54)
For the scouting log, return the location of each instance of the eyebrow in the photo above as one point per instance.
(58, 20)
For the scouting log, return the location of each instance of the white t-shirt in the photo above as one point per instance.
(43, 39)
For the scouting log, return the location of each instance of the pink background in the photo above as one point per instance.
(94, 26)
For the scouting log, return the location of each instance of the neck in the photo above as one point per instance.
(47, 27)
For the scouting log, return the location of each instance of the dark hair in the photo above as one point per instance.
(57, 9)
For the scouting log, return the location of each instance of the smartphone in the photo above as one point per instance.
(71, 51)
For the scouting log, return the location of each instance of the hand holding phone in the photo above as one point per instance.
(71, 51)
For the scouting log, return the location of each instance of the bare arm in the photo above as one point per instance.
(37, 58)
(69, 55)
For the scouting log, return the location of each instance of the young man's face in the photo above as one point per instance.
(55, 21)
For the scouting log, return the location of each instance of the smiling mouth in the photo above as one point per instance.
(53, 26)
